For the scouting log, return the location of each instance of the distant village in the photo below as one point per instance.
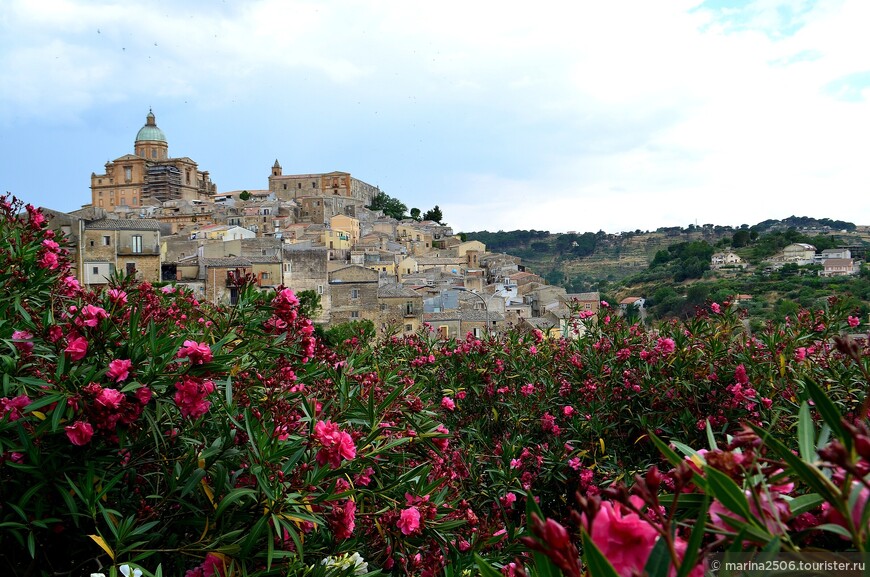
(161, 219)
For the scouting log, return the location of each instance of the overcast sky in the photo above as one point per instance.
(571, 115)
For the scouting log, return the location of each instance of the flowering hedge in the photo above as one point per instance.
(141, 428)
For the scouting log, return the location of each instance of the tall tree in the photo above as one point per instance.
(434, 215)
(415, 213)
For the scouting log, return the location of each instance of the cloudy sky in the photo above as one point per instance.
(563, 115)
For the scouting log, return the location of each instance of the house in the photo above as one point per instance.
(838, 267)
(400, 310)
(723, 259)
(637, 302)
(799, 253)
(114, 244)
(354, 295)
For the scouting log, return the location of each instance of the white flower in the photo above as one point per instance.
(126, 571)
(360, 567)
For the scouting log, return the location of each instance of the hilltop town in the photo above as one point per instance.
(162, 219)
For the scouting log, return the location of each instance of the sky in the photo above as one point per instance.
(572, 115)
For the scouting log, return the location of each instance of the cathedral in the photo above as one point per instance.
(149, 176)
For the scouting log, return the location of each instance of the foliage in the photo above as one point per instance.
(390, 206)
(309, 303)
(244, 195)
(434, 215)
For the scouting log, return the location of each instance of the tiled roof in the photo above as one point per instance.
(226, 262)
(123, 224)
(396, 290)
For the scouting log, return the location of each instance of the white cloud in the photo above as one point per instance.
(656, 112)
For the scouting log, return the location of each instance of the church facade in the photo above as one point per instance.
(149, 176)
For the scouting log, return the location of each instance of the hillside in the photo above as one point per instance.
(579, 261)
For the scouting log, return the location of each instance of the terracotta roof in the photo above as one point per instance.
(123, 224)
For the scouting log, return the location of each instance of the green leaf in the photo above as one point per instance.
(711, 439)
(659, 561)
(727, 492)
(596, 563)
(806, 433)
(805, 503)
(829, 412)
(695, 539)
(806, 472)
(486, 570)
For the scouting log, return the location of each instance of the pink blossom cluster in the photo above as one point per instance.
(190, 396)
(198, 353)
(335, 444)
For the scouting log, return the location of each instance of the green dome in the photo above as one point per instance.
(150, 130)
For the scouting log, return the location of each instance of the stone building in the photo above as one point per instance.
(322, 196)
(354, 295)
(131, 247)
(149, 174)
(401, 310)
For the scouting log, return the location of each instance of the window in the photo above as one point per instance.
(107, 240)
(443, 331)
(354, 314)
(131, 268)
(153, 153)
(409, 328)
(137, 243)
(354, 293)
(320, 289)
(96, 270)
(285, 186)
(298, 185)
(313, 185)
(128, 173)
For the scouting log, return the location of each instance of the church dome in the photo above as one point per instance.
(150, 130)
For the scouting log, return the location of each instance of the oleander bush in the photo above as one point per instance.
(142, 430)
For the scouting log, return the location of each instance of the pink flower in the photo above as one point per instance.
(198, 353)
(448, 403)
(665, 345)
(342, 520)
(623, 537)
(336, 445)
(715, 308)
(516, 463)
(190, 397)
(527, 389)
(167, 290)
(119, 370)
(23, 341)
(13, 407)
(79, 433)
(49, 260)
(91, 316)
(575, 463)
(533, 350)
(77, 348)
(854, 321)
(740, 374)
(568, 410)
(800, 353)
(118, 296)
(409, 521)
(110, 398)
(143, 395)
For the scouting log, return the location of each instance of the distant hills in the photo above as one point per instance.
(580, 261)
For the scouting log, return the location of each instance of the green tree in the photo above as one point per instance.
(415, 213)
(309, 303)
(245, 195)
(434, 215)
(392, 207)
